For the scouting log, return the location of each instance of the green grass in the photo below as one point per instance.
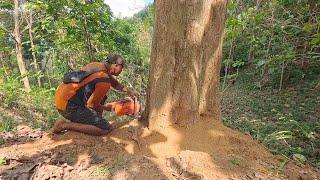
(120, 161)
(101, 171)
(7, 124)
(71, 157)
(235, 162)
(3, 162)
(37, 106)
(287, 122)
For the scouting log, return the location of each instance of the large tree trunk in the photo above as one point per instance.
(21, 64)
(185, 62)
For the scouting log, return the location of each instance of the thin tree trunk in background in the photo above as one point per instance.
(49, 80)
(250, 55)
(231, 50)
(87, 38)
(258, 4)
(281, 78)
(265, 75)
(227, 65)
(185, 63)
(251, 49)
(20, 60)
(3, 66)
(35, 62)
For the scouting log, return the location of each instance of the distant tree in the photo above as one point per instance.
(17, 37)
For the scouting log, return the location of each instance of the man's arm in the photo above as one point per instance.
(97, 96)
(116, 85)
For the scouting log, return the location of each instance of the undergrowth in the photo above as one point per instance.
(286, 121)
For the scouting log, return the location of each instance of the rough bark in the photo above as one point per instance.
(35, 62)
(185, 62)
(2, 62)
(87, 37)
(17, 35)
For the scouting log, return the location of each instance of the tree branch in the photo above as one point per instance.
(10, 33)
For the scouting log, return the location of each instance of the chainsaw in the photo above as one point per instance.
(130, 106)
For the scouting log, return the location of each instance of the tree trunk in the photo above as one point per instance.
(265, 72)
(230, 59)
(35, 62)
(185, 62)
(2, 60)
(87, 36)
(20, 60)
(88, 39)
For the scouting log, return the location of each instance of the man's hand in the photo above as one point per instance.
(109, 107)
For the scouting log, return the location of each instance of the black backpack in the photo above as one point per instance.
(75, 76)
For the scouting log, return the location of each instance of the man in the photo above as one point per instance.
(83, 102)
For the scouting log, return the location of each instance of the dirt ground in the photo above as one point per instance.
(204, 151)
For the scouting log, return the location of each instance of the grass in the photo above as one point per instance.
(120, 161)
(287, 122)
(3, 162)
(71, 157)
(2, 140)
(235, 162)
(101, 171)
(7, 124)
(37, 106)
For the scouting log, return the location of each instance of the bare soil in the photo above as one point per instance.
(205, 150)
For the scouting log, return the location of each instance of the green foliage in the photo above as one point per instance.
(71, 157)
(2, 140)
(286, 122)
(7, 124)
(234, 162)
(69, 34)
(299, 158)
(66, 35)
(101, 171)
(276, 36)
(38, 100)
(3, 162)
(120, 161)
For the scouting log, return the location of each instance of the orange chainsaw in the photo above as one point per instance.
(129, 106)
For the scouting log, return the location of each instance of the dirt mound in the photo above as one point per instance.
(203, 151)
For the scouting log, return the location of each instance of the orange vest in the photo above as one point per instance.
(65, 92)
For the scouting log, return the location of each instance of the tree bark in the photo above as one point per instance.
(185, 62)
(2, 60)
(87, 36)
(265, 72)
(88, 39)
(20, 60)
(35, 62)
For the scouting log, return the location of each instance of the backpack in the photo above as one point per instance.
(75, 76)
